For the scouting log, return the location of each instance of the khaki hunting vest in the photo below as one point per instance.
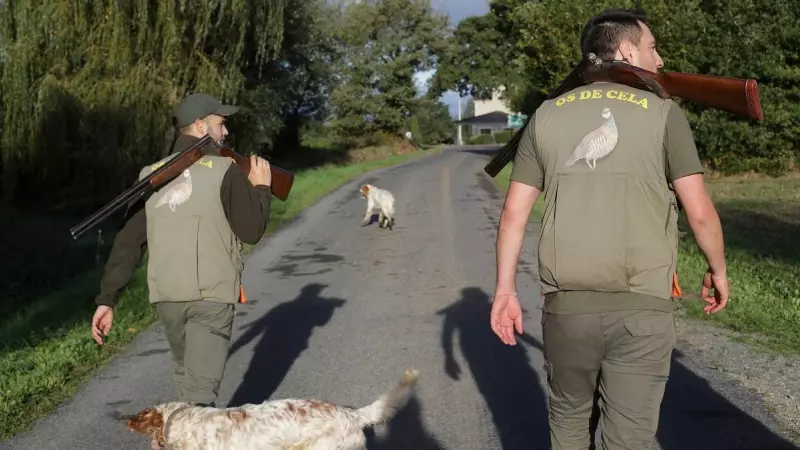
(610, 217)
(193, 253)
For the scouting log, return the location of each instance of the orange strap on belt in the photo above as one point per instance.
(242, 296)
(676, 287)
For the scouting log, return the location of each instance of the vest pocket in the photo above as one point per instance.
(589, 232)
(173, 258)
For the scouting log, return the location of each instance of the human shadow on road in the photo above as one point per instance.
(284, 333)
(504, 375)
(404, 431)
(694, 416)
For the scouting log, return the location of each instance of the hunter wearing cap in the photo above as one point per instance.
(194, 226)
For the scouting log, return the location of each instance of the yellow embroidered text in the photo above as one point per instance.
(204, 162)
(598, 93)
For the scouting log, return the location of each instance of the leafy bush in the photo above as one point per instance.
(503, 136)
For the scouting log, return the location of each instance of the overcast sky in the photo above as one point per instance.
(457, 10)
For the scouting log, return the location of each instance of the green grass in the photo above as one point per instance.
(761, 224)
(46, 349)
(503, 180)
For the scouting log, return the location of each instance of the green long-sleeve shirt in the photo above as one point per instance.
(246, 207)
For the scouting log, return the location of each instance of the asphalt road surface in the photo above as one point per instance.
(338, 311)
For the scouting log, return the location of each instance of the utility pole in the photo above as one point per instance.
(458, 139)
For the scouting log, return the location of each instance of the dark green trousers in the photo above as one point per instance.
(199, 334)
(622, 357)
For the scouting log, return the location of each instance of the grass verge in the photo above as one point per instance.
(46, 349)
(761, 225)
(503, 180)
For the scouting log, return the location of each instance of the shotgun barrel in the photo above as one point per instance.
(159, 176)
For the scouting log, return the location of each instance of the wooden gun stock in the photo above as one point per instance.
(734, 95)
(282, 180)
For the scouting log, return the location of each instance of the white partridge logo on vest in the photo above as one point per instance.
(597, 143)
(177, 194)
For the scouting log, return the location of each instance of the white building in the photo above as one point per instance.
(491, 115)
(496, 103)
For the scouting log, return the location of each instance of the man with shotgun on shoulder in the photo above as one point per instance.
(193, 227)
(607, 157)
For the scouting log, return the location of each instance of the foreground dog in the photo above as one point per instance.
(379, 199)
(278, 424)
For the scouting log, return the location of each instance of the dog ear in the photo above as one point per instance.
(147, 422)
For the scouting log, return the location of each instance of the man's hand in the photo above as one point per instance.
(506, 316)
(101, 322)
(718, 301)
(260, 173)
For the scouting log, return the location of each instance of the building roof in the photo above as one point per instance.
(492, 117)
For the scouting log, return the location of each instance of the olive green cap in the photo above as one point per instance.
(196, 106)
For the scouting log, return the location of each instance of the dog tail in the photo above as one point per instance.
(389, 403)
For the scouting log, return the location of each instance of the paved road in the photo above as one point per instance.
(338, 312)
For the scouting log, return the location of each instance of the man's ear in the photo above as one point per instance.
(626, 50)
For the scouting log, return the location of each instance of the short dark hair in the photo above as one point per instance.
(603, 32)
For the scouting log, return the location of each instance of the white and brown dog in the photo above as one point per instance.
(379, 199)
(272, 425)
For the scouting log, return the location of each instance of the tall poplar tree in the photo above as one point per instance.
(87, 87)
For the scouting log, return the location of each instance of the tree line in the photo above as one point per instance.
(530, 46)
(88, 87)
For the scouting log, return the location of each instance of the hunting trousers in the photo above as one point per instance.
(612, 363)
(199, 334)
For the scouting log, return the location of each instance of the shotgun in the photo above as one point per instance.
(282, 181)
(733, 95)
